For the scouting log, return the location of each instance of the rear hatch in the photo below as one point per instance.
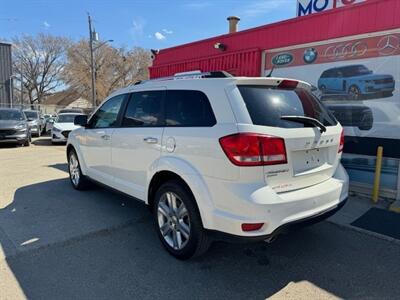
(312, 136)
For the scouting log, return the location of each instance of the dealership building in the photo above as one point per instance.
(349, 50)
(5, 74)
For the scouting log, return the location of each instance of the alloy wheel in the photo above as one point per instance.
(354, 92)
(173, 220)
(74, 169)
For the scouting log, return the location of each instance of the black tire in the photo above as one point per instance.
(198, 241)
(354, 93)
(82, 183)
(27, 143)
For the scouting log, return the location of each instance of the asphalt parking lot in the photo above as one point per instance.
(57, 243)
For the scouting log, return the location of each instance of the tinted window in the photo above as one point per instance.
(66, 118)
(328, 74)
(355, 71)
(107, 115)
(266, 106)
(144, 110)
(31, 114)
(188, 109)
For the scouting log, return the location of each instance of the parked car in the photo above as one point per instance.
(14, 127)
(35, 121)
(62, 127)
(215, 157)
(353, 115)
(355, 81)
(71, 110)
(49, 123)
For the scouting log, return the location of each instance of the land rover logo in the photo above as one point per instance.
(282, 59)
(310, 55)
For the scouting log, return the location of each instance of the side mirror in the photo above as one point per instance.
(81, 120)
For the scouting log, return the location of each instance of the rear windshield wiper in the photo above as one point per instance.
(306, 120)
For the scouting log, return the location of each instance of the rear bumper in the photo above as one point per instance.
(235, 204)
(222, 236)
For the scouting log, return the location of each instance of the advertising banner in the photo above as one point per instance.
(307, 7)
(358, 79)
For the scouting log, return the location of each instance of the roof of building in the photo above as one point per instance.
(63, 98)
(366, 17)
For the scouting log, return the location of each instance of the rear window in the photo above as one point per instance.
(266, 105)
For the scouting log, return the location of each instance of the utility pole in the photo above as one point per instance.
(11, 90)
(92, 66)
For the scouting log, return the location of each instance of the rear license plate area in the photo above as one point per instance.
(307, 160)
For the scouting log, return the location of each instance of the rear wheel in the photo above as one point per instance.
(178, 221)
(78, 180)
(354, 92)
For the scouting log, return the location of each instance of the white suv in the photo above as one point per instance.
(215, 156)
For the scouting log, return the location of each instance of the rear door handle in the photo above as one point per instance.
(151, 140)
(106, 137)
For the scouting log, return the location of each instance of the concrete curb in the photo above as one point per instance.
(395, 207)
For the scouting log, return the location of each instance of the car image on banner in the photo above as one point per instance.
(356, 82)
(358, 79)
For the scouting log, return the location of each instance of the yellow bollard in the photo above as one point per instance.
(378, 169)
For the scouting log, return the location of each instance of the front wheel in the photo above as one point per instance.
(178, 221)
(27, 142)
(78, 180)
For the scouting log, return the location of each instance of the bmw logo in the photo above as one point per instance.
(310, 55)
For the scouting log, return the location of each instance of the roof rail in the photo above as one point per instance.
(189, 75)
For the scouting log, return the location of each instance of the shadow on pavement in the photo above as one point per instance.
(61, 167)
(10, 145)
(42, 141)
(103, 246)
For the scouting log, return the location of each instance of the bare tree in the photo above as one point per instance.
(39, 60)
(114, 68)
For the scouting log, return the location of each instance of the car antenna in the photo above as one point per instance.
(272, 70)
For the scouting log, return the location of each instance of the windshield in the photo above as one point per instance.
(66, 118)
(12, 115)
(266, 105)
(31, 114)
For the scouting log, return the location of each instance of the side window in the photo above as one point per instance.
(144, 110)
(186, 108)
(107, 115)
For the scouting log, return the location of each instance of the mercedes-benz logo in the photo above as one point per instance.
(388, 45)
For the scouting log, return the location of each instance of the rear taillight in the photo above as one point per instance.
(288, 84)
(251, 149)
(341, 145)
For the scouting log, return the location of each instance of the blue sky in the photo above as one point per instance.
(153, 24)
